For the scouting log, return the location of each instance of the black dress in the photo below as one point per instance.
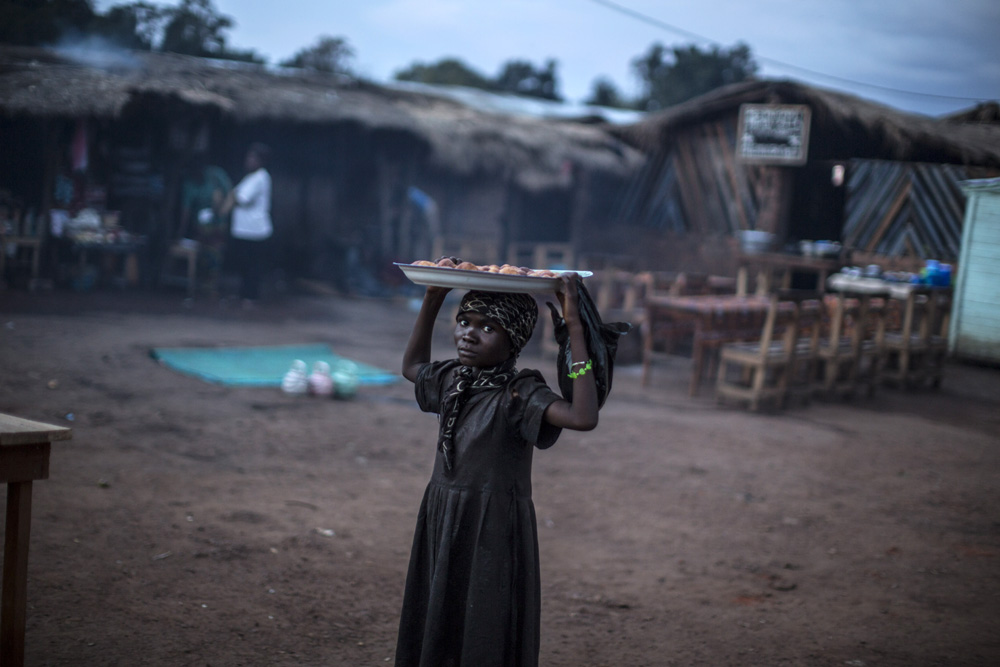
(472, 594)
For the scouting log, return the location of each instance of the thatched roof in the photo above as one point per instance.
(533, 151)
(843, 126)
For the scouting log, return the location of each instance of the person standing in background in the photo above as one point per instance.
(250, 227)
(203, 192)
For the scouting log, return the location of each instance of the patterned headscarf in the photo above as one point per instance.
(516, 314)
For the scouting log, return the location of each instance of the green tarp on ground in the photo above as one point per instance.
(257, 366)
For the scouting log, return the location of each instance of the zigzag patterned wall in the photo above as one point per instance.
(901, 209)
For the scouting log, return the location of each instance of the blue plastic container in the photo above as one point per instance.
(944, 276)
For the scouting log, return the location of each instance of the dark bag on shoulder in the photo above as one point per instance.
(602, 345)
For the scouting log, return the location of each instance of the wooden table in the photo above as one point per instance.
(32, 244)
(24, 457)
(717, 319)
(769, 265)
(128, 251)
(920, 337)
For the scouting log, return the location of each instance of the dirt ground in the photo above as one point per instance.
(193, 524)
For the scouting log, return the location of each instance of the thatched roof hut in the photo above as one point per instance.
(77, 84)
(345, 151)
(844, 126)
(899, 195)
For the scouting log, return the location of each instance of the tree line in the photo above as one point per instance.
(667, 76)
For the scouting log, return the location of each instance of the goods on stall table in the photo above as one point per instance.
(489, 277)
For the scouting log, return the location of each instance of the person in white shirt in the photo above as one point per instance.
(250, 228)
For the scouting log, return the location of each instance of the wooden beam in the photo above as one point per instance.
(729, 165)
(889, 217)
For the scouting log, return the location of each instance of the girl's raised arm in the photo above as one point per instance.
(418, 348)
(581, 414)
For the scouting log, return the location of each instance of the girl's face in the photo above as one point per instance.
(480, 341)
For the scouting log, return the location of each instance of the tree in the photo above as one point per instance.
(43, 22)
(133, 26)
(671, 77)
(604, 93)
(329, 54)
(521, 78)
(447, 71)
(196, 28)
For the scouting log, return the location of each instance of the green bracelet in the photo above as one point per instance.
(583, 371)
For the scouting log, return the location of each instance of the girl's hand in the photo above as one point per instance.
(581, 413)
(569, 297)
(434, 291)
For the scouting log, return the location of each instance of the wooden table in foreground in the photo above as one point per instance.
(717, 319)
(24, 457)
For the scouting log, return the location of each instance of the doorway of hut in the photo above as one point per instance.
(817, 209)
(539, 217)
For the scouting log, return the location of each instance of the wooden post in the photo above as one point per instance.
(775, 196)
(13, 611)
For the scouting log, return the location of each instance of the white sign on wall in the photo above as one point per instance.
(773, 133)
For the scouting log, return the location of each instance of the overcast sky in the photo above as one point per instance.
(926, 56)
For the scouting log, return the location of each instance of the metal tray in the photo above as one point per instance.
(481, 280)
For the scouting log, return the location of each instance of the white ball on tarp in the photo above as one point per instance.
(320, 380)
(345, 380)
(295, 380)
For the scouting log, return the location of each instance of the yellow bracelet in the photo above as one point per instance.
(583, 371)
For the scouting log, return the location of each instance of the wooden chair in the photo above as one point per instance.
(659, 330)
(690, 283)
(662, 332)
(803, 376)
(939, 313)
(849, 351)
(914, 353)
(620, 297)
(183, 255)
(194, 263)
(765, 370)
(736, 327)
(707, 330)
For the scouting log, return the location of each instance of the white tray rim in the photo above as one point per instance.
(481, 280)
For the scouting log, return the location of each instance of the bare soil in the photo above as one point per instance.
(193, 524)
